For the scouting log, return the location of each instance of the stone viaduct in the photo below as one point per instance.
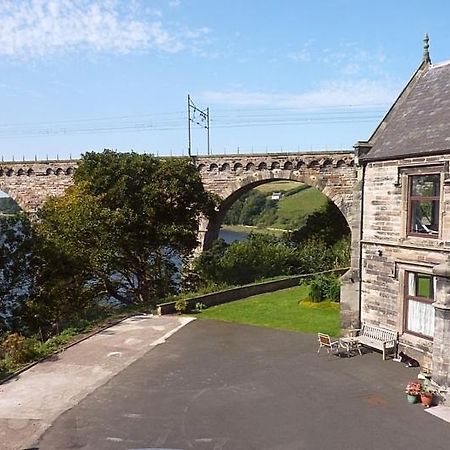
(334, 173)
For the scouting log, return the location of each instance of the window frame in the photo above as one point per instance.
(417, 298)
(417, 198)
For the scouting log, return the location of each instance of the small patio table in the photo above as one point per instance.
(350, 344)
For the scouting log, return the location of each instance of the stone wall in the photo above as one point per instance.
(387, 251)
(30, 183)
(241, 292)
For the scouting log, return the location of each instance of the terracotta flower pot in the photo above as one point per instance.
(426, 399)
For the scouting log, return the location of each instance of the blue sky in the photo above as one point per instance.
(79, 75)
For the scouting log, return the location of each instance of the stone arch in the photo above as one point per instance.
(225, 167)
(300, 164)
(49, 171)
(69, 171)
(59, 171)
(30, 172)
(250, 167)
(237, 167)
(288, 165)
(20, 172)
(275, 165)
(7, 193)
(213, 167)
(201, 167)
(327, 163)
(262, 166)
(333, 191)
(341, 163)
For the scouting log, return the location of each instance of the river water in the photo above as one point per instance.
(231, 236)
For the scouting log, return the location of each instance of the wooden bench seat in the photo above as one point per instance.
(378, 338)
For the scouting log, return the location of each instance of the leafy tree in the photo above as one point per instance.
(328, 225)
(125, 220)
(16, 266)
(253, 206)
(208, 264)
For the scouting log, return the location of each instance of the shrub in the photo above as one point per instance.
(181, 305)
(19, 349)
(324, 287)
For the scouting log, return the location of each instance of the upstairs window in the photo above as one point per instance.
(423, 205)
(419, 311)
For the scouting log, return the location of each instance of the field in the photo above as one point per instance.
(285, 310)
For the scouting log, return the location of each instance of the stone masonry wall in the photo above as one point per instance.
(30, 183)
(387, 251)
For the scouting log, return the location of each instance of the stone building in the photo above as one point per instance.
(404, 243)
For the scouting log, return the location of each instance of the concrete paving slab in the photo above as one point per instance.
(30, 402)
(440, 411)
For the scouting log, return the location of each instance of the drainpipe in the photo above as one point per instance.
(361, 220)
(361, 149)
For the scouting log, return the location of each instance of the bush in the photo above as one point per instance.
(18, 349)
(181, 305)
(324, 287)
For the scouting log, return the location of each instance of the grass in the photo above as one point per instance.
(251, 229)
(277, 186)
(300, 205)
(282, 310)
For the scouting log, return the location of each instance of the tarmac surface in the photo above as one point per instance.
(30, 402)
(212, 385)
(222, 386)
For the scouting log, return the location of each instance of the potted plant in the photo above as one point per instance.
(413, 391)
(427, 395)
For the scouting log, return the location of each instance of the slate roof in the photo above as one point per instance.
(418, 124)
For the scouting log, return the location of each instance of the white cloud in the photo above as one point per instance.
(303, 55)
(350, 59)
(363, 92)
(37, 28)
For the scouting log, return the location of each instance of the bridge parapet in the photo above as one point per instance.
(30, 183)
(272, 161)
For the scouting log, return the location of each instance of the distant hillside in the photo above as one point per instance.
(256, 208)
(8, 206)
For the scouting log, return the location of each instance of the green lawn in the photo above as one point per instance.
(280, 310)
(250, 229)
(277, 186)
(299, 205)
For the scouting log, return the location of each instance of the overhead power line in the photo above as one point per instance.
(225, 118)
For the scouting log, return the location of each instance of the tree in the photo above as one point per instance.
(328, 225)
(125, 221)
(16, 266)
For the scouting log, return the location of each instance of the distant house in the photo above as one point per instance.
(404, 248)
(276, 196)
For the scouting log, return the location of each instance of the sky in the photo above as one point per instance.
(292, 75)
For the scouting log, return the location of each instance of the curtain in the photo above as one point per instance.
(421, 318)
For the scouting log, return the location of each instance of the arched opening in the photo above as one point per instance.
(274, 193)
(293, 227)
(8, 206)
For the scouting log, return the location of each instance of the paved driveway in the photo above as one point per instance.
(224, 386)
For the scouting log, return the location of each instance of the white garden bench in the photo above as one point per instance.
(378, 338)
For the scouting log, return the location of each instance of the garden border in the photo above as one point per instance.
(241, 292)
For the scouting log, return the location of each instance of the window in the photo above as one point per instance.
(423, 205)
(419, 312)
